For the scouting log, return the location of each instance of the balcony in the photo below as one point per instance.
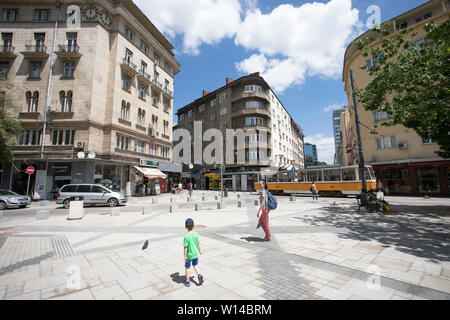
(68, 52)
(168, 93)
(157, 85)
(35, 52)
(249, 94)
(144, 78)
(247, 112)
(129, 67)
(7, 52)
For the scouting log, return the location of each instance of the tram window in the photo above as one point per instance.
(300, 177)
(314, 175)
(368, 172)
(285, 177)
(331, 175)
(348, 174)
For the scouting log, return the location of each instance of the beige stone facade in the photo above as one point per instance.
(111, 89)
(401, 158)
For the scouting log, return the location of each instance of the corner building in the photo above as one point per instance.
(105, 113)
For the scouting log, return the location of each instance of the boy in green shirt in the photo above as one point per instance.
(191, 245)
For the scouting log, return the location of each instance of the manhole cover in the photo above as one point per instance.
(199, 226)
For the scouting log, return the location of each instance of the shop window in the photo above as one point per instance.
(396, 180)
(428, 180)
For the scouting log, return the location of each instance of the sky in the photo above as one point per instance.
(297, 46)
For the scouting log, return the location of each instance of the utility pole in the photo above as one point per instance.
(358, 133)
(49, 84)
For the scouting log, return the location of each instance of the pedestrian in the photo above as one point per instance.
(190, 189)
(313, 189)
(264, 208)
(144, 189)
(191, 245)
(180, 187)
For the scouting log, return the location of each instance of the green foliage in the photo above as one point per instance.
(411, 82)
(9, 127)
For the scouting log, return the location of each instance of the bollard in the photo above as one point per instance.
(42, 214)
(256, 202)
(239, 204)
(44, 203)
(291, 198)
(198, 206)
(216, 197)
(188, 199)
(115, 212)
(203, 198)
(171, 208)
(238, 196)
(146, 210)
(76, 210)
(154, 200)
(172, 200)
(220, 205)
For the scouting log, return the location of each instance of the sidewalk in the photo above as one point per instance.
(321, 250)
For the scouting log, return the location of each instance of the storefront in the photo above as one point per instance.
(426, 178)
(173, 174)
(149, 179)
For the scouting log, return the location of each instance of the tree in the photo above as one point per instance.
(9, 127)
(411, 81)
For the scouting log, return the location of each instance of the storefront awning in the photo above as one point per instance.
(151, 173)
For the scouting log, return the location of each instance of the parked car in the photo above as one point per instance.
(10, 199)
(92, 194)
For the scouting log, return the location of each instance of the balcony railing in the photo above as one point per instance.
(157, 84)
(40, 48)
(6, 49)
(144, 77)
(168, 92)
(69, 48)
(128, 63)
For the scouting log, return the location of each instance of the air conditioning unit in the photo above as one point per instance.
(403, 145)
(79, 144)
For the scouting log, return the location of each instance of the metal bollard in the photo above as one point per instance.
(203, 198)
(291, 198)
(154, 200)
(146, 210)
(220, 205)
(171, 208)
(239, 204)
(42, 214)
(216, 197)
(115, 212)
(188, 199)
(198, 206)
(238, 196)
(256, 202)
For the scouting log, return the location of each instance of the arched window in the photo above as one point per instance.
(141, 117)
(62, 100)
(123, 110)
(28, 101)
(34, 107)
(69, 101)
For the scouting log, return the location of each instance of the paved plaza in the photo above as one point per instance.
(323, 250)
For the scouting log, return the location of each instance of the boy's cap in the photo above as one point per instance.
(189, 222)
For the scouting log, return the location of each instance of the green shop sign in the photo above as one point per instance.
(148, 163)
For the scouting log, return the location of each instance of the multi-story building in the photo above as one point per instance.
(402, 160)
(103, 113)
(337, 132)
(311, 158)
(249, 104)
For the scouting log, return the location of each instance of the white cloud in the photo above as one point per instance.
(294, 42)
(335, 106)
(199, 21)
(325, 147)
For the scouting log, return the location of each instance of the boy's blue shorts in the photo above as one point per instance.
(187, 265)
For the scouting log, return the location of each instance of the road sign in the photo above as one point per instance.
(293, 170)
(30, 170)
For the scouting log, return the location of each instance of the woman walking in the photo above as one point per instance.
(264, 208)
(314, 191)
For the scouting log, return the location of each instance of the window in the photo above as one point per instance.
(98, 189)
(166, 84)
(143, 67)
(141, 117)
(201, 108)
(7, 41)
(252, 88)
(190, 113)
(374, 62)
(156, 58)
(124, 111)
(165, 127)
(154, 122)
(155, 98)
(213, 117)
(71, 42)
(222, 97)
(4, 69)
(142, 91)
(128, 56)
(386, 142)
(69, 69)
(144, 47)
(129, 34)
(223, 126)
(404, 25)
(62, 137)
(427, 141)
(123, 142)
(254, 138)
(29, 138)
(331, 175)
(139, 146)
(39, 39)
(165, 152)
(32, 101)
(213, 103)
(223, 111)
(84, 188)
(166, 104)
(65, 101)
(377, 116)
(41, 14)
(10, 14)
(191, 124)
(254, 121)
(253, 105)
(153, 149)
(35, 70)
(126, 82)
(182, 117)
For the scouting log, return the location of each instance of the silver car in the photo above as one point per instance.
(92, 194)
(10, 199)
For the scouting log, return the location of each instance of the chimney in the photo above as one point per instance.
(228, 80)
(205, 92)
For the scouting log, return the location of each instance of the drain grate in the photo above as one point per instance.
(62, 247)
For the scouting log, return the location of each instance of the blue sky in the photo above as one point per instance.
(298, 47)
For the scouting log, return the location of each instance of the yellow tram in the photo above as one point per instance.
(330, 181)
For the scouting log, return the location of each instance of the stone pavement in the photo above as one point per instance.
(323, 250)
